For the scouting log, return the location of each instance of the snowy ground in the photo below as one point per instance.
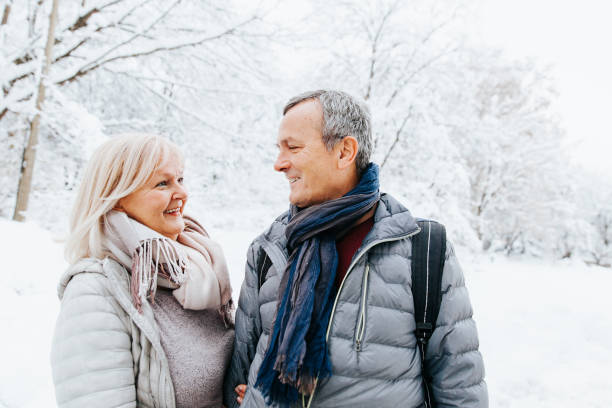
(545, 329)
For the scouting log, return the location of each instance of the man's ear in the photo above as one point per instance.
(347, 152)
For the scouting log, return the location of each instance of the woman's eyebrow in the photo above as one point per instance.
(169, 175)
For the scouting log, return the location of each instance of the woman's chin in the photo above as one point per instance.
(171, 229)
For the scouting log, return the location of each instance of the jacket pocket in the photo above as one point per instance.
(362, 315)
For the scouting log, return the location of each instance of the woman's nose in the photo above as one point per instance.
(180, 192)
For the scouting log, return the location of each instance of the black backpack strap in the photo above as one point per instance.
(263, 264)
(428, 255)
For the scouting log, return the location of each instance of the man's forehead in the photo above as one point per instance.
(300, 118)
(286, 138)
(309, 110)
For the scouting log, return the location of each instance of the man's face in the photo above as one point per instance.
(312, 170)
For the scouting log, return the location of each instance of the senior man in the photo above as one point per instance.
(326, 311)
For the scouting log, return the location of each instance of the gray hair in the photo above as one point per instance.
(343, 115)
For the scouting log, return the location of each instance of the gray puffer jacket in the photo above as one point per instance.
(371, 338)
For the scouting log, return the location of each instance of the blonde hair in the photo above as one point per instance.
(117, 168)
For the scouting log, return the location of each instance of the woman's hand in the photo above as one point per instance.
(240, 390)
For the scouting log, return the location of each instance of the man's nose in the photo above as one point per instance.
(281, 163)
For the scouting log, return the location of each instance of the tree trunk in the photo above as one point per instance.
(29, 154)
(6, 13)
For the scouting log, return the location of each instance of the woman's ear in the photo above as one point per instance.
(347, 152)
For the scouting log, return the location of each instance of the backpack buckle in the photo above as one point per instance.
(423, 331)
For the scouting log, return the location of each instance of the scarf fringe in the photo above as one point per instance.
(188, 265)
(146, 267)
(226, 312)
(306, 383)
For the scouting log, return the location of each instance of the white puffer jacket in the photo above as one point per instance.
(105, 353)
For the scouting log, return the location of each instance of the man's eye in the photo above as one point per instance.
(293, 147)
(162, 184)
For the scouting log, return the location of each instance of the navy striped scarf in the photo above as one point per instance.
(297, 350)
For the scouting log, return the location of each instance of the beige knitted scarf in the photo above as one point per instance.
(193, 265)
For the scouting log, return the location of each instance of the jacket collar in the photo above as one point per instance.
(391, 220)
(87, 265)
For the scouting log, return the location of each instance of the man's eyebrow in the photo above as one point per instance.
(286, 140)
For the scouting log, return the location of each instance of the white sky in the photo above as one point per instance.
(575, 36)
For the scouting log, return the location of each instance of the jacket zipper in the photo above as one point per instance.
(331, 318)
(361, 323)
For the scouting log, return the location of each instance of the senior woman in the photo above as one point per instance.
(145, 305)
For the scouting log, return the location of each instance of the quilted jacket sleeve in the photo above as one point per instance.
(91, 357)
(453, 359)
(248, 330)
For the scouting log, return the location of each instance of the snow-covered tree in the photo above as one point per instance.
(587, 234)
(507, 130)
(176, 68)
(462, 134)
(395, 55)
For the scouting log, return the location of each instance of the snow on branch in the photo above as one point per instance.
(104, 58)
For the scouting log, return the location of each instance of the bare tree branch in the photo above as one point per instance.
(131, 11)
(181, 84)
(398, 134)
(72, 49)
(425, 65)
(92, 65)
(33, 17)
(25, 52)
(136, 35)
(414, 73)
(185, 110)
(83, 19)
(374, 48)
(349, 65)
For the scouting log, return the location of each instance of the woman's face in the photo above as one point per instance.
(160, 202)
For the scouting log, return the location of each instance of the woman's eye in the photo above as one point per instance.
(180, 180)
(162, 184)
(293, 147)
